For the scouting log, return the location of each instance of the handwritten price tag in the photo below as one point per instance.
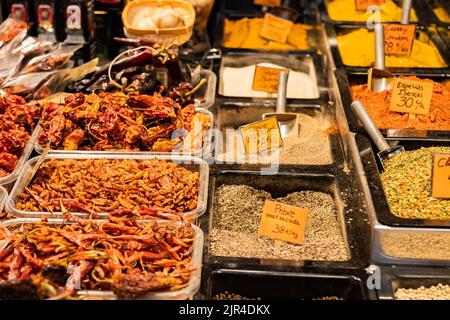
(411, 96)
(275, 28)
(399, 39)
(269, 3)
(440, 183)
(266, 79)
(283, 222)
(261, 135)
(362, 5)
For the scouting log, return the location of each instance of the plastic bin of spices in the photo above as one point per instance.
(185, 293)
(186, 165)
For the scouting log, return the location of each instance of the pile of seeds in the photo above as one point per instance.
(408, 245)
(407, 184)
(237, 213)
(438, 292)
(232, 296)
(328, 298)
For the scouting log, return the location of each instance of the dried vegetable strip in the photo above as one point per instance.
(130, 258)
(150, 188)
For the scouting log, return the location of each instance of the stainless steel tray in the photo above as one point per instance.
(183, 294)
(25, 179)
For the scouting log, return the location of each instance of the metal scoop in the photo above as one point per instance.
(385, 150)
(380, 79)
(287, 121)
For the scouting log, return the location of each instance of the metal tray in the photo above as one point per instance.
(207, 93)
(8, 180)
(183, 294)
(354, 222)
(188, 162)
(344, 79)
(284, 285)
(234, 115)
(396, 240)
(238, 58)
(204, 152)
(220, 24)
(421, 15)
(393, 278)
(430, 5)
(333, 30)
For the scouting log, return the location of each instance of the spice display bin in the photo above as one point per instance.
(434, 4)
(346, 79)
(203, 152)
(396, 277)
(309, 64)
(186, 293)
(188, 162)
(8, 181)
(421, 15)
(397, 240)
(313, 34)
(334, 30)
(233, 115)
(353, 222)
(285, 286)
(206, 95)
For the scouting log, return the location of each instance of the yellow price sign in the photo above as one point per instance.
(268, 3)
(261, 135)
(410, 96)
(283, 222)
(440, 180)
(362, 5)
(267, 79)
(399, 39)
(275, 28)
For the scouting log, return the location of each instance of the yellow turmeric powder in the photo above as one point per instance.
(345, 10)
(244, 34)
(357, 49)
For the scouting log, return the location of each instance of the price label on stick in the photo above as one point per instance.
(268, 3)
(410, 96)
(261, 135)
(275, 28)
(440, 179)
(362, 5)
(283, 222)
(399, 39)
(266, 79)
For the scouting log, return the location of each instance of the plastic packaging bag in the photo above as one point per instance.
(32, 47)
(10, 66)
(25, 84)
(51, 61)
(10, 29)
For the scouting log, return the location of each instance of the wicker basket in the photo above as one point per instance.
(164, 36)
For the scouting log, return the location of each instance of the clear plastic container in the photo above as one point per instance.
(26, 152)
(185, 161)
(3, 197)
(208, 92)
(186, 293)
(204, 151)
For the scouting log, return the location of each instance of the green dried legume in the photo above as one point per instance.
(407, 184)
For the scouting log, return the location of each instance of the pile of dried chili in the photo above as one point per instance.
(17, 121)
(150, 188)
(131, 258)
(119, 121)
